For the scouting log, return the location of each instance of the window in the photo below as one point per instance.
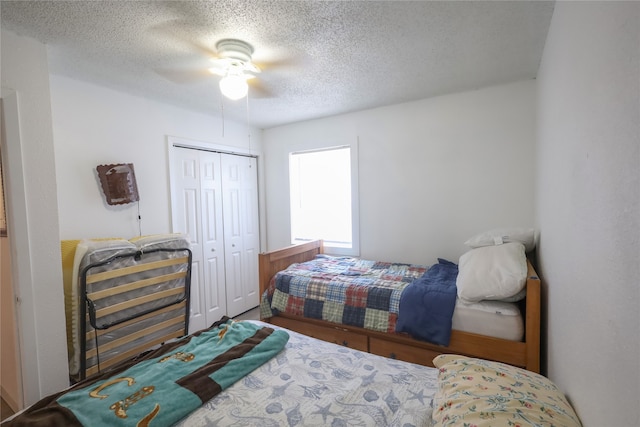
(323, 193)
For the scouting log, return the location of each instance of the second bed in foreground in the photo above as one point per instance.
(250, 374)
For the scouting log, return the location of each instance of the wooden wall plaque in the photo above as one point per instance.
(118, 183)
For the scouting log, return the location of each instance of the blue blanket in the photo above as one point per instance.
(426, 305)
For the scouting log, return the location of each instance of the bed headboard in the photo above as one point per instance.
(272, 262)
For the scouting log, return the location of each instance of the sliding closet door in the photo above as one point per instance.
(241, 234)
(197, 211)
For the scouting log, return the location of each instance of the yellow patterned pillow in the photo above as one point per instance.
(476, 392)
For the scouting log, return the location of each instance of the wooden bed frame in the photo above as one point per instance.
(524, 354)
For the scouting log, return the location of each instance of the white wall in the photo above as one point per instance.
(588, 207)
(66, 129)
(93, 125)
(432, 172)
(33, 216)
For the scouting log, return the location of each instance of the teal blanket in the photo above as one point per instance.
(159, 391)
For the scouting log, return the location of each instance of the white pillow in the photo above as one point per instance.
(492, 272)
(498, 236)
(517, 297)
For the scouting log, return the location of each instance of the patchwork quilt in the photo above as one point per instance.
(344, 290)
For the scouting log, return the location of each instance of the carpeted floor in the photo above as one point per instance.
(253, 314)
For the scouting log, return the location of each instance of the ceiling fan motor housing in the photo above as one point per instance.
(234, 49)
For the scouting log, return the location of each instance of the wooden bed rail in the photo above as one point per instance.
(533, 304)
(525, 353)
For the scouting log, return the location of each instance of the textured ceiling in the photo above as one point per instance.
(318, 58)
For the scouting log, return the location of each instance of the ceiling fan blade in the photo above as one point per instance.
(274, 64)
(218, 71)
(258, 90)
(251, 67)
(179, 33)
(184, 76)
(221, 62)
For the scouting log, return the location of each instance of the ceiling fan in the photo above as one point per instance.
(234, 65)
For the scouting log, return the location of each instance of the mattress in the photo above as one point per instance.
(99, 250)
(497, 319)
(313, 383)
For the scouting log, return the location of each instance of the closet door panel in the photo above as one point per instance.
(251, 235)
(215, 294)
(235, 296)
(197, 209)
(197, 299)
(186, 219)
(212, 236)
(233, 235)
(190, 215)
(239, 184)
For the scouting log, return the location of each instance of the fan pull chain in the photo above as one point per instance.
(248, 127)
(222, 113)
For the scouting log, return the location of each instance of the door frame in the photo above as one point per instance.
(19, 243)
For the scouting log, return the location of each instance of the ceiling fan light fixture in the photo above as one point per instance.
(234, 86)
(234, 65)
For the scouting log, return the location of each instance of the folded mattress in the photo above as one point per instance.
(156, 317)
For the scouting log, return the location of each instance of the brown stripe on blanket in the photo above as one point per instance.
(199, 382)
